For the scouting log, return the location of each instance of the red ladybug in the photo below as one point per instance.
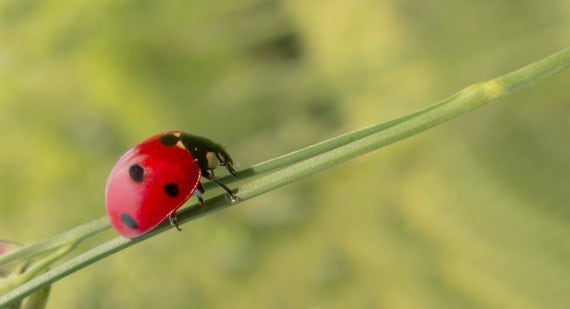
(153, 179)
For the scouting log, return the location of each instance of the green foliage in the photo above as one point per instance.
(472, 214)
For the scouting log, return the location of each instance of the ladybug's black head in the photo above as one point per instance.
(207, 153)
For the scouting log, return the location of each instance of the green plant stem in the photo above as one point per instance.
(70, 237)
(315, 149)
(324, 155)
(35, 268)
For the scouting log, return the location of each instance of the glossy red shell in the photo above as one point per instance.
(145, 203)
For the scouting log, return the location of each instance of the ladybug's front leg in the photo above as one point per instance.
(208, 174)
(174, 221)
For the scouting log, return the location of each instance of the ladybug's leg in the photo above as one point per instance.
(174, 221)
(210, 176)
(224, 161)
(198, 193)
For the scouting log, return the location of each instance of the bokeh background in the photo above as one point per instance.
(472, 214)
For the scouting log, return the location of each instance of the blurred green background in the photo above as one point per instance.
(472, 214)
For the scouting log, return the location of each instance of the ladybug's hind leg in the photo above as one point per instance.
(174, 221)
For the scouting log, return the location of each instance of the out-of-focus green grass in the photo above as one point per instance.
(475, 213)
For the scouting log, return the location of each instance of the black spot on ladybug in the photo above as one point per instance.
(171, 190)
(129, 221)
(169, 140)
(136, 172)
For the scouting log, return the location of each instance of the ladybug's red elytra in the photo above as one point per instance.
(156, 177)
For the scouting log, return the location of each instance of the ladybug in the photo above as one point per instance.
(153, 179)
